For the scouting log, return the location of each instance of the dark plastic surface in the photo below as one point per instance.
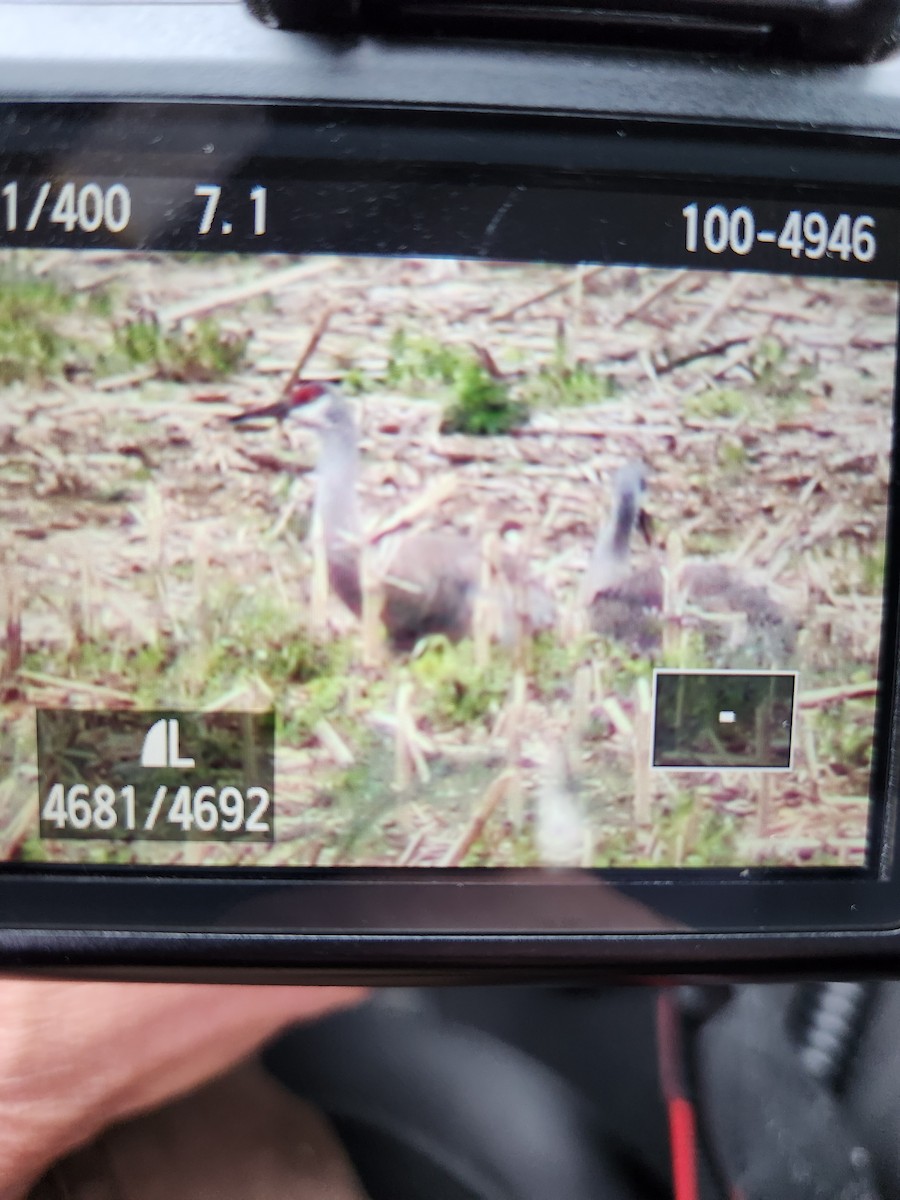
(220, 50)
(838, 30)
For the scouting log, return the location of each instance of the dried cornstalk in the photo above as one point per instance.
(416, 744)
(573, 617)
(312, 342)
(847, 691)
(685, 360)
(511, 723)
(524, 602)
(714, 311)
(287, 511)
(433, 497)
(409, 760)
(620, 720)
(319, 589)
(202, 607)
(678, 854)
(577, 279)
(269, 281)
(582, 697)
(559, 820)
(762, 781)
(673, 631)
(804, 735)
(493, 795)
(332, 741)
(484, 616)
(76, 686)
(648, 367)
(12, 609)
(412, 848)
(781, 312)
(373, 638)
(116, 383)
(643, 791)
(666, 284)
(253, 695)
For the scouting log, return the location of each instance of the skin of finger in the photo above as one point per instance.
(76, 1057)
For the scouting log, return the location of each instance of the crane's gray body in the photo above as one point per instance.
(628, 601)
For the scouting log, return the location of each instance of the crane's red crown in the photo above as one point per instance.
(303, 393)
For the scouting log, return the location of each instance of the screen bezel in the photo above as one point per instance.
(153, 138)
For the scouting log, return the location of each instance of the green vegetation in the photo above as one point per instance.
(733, 457)
(476, 401)
(458, 691)
(843, 736)
(779, 386)
(708, 837)
(557, 385)
(872, 571)
(249, 638)
(32, 348)
(201, 353)
(262, 635)
(326, 696)
(707, 543)
(718, 404)
(779, 376)
(356, 381)
(482, 406)
(48, 329)
(419, 364)
(553, 663)
(861, 567)
(561, 383)
(363, 794)
(32, 850)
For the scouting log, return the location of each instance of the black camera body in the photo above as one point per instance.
(453, 717)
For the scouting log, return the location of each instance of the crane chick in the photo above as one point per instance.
(740, 623)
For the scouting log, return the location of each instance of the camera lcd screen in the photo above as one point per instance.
(339, 560)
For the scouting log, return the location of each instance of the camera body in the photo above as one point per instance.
(645, 261)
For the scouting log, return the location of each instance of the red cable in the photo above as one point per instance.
(682, 1120)
(683, 1144)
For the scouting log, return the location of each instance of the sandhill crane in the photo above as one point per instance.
(427, 582)
(739, 621)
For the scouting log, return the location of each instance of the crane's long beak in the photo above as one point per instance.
(303, 398)
(645, 525)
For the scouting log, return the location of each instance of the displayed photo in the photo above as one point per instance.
(531, 565)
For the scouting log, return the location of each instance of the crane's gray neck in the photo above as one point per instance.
(609, 559)
(337, 505)
(624, 521)
(337, 475)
